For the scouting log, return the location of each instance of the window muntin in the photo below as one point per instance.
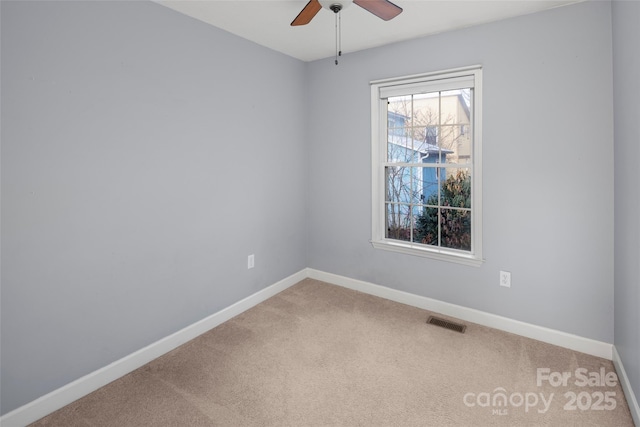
(426, 165)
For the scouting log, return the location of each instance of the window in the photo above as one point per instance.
(426, 154)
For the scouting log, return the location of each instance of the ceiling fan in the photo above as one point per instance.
(383, 9)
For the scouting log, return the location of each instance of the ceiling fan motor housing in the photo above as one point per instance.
(335, 5)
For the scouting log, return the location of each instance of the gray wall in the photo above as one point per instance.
(626, 93)
(124, 218)
(548, 168)
(144, 156)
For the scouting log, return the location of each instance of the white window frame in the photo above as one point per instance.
(381, 90)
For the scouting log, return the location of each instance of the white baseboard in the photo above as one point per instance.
(73, 391)
(626, 387)
(67, 394)
(551, 336)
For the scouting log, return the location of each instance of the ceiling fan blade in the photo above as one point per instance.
(306, 15)
(383, 9)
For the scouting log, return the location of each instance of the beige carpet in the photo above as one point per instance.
(320, 355)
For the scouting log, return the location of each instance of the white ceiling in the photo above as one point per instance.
(267, 22)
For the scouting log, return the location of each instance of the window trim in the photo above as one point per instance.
(380, 91)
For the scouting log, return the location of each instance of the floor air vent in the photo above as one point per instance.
(446, 324)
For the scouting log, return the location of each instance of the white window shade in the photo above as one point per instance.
(458, 78)
(461, 82)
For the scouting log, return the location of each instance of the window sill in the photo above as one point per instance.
(441, 255)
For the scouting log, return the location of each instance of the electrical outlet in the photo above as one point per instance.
(250, 262)
(505, 279)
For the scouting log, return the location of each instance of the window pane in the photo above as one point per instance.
(417, 186)
(398, 184)
(426, 109)
(455, 123)
(400, 150)
(427, 227)
(455, 228)
(398, 222)
(399, 127)
(426, 118)
(456, 188)
(399, 111)
(429, 183)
